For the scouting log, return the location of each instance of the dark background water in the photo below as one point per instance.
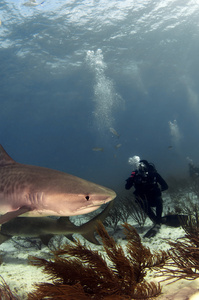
(70, 70)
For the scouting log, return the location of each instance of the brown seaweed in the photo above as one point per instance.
(184, 260)
(125, 206)
(5, 292)
(183, 255)
(81, 273)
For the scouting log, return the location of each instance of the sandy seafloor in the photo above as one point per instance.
(21, 277)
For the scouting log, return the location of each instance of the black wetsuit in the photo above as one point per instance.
(148, 187)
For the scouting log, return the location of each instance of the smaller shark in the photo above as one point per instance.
(37, 192)
(46, 227)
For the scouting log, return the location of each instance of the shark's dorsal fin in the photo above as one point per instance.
(65, 221)
(5, 159)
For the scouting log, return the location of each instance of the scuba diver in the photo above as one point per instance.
(148, 186)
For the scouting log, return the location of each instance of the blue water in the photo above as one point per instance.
(71, 70)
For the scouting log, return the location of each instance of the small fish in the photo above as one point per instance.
(98, 149)
(118, 146)
(170, 147)
(113, 131)
(33, 3)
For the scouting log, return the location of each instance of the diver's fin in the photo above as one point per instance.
(174, 220)
(153, 231)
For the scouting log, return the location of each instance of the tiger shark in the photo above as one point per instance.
(35, 191)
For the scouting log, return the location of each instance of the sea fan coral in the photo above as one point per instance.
(5, 292)
(183, 255)
(81, 273)
(125, 207)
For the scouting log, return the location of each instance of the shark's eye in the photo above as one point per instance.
(87, 198)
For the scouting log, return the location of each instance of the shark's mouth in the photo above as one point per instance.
(87, 209)
(95, 206)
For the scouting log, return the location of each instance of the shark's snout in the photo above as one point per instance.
(94, 201)
(102, 199)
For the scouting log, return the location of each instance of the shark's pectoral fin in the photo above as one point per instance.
(13, 214)
(70, 237)
(88, 229)
(89, 236)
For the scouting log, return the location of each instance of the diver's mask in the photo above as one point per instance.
(142, 169)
